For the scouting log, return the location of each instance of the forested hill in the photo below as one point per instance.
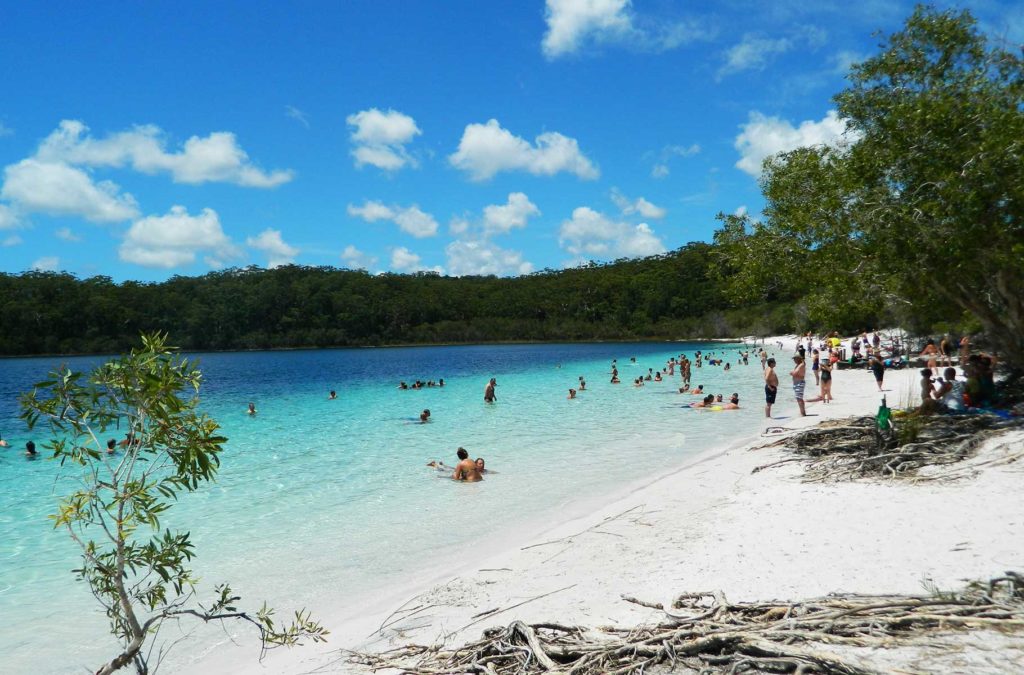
(674, 295)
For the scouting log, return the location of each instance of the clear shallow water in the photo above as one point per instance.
(318, 501)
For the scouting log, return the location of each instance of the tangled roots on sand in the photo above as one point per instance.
(854, 448)
(705, 633)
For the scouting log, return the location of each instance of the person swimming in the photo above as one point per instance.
(734, 402)
(707, 401)
(30, 449)
(333, 395)
(111, 446)
(699, 391)
(481, 466)
(252, 409)
(424, 417)
(572, 393)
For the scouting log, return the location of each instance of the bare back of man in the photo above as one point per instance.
(466, 471)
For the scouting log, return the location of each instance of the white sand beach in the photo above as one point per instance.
(711, 525)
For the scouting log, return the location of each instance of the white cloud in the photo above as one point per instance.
(502, 219)
(637, 206)
(487, 149)
(481, 257)
(47, 263)
(270, 242)
(661, 168)
(592, 234)
(356, 259)
(12, 240)
(371, 211)
(752, 53)
(58, 189)
(764, 136)
(404, 260)
(410, 219)
(380, 138)
(297, 115)
(459, 225)
(575, 24)
(8, 218)
(215, 158)
(174, 239)
(66, 234)
(740, 211)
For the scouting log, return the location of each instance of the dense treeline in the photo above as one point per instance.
(669, 296)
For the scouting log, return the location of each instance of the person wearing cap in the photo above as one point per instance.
(798, 373)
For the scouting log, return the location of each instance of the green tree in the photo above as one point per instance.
(924, 204)
(136, 571)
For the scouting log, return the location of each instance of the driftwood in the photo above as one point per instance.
(852, 448)
(705, 633)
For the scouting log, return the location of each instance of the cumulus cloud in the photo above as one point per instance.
(356, 259)
(482, 257)
(58, 189)
(380, 138)
(487, 149)
(763, 136)
(215, 158)
(410, 219)
(270, 242)
(66, 234)
(502, 219)
(404, 260)
(8, 218)
(573, 25)
(48, 263)
(590, 233)
(639, 206)
(175, 239)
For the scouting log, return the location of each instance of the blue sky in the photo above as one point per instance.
(148, 140)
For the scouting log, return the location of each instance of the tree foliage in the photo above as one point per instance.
(669, 296)
(137, 572)
(921, 207)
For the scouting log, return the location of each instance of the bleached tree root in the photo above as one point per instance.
(705, 633)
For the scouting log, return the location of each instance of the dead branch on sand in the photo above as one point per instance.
(851, 448)
(705, 633)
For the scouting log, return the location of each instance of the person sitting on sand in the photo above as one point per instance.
(424, 416)
(466, 469)
(951, 392)
(572, 393)
(734, 402)
(252, 409)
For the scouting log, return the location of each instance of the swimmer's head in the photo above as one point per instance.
(710, 398)
(111, 444)
(771, 362)
(735, 398)
(462, 454)
(718, 398)
(480, 464)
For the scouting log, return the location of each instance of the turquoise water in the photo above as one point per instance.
(319, 501)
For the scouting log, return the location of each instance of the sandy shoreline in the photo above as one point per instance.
(711, 524)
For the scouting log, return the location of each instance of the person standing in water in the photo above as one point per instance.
(489, 396)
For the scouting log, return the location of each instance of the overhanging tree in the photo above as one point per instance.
(139, 574)
(924, 203)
